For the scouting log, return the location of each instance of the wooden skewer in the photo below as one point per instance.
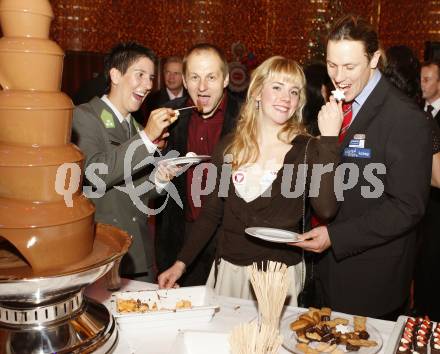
(177, 111)
(184, 108)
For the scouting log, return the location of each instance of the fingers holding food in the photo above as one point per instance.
(159, 120)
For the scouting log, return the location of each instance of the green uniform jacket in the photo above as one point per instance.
(99, 134)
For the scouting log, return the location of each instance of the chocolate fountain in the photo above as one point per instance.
(50, 248)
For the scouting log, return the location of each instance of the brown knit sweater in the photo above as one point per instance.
(226, 218)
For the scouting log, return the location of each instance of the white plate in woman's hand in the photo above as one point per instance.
(185, 160)
(273, 235)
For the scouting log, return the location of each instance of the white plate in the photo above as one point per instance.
(273, 235)
(186, 160)
(290, 339)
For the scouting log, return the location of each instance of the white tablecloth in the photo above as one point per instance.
(232, 312)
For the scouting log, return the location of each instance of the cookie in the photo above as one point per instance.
(335, 322)
(299, 324)
(362, 342)
(360, 323)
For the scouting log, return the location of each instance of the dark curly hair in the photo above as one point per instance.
(403, 70)
(316, 76)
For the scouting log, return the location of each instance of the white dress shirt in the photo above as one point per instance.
(172, 96)
(435, 104)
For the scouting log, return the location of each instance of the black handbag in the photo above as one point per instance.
(307, 296)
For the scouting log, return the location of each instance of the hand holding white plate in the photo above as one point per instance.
(273, 235)
(186, 160)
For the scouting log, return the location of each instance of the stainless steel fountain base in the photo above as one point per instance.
(90, 328)
(49, 314)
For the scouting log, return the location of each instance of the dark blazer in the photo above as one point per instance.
(158, 99)
(109, 144)
(425, 290)
(171, 222)
(368, 269)
(437, 117)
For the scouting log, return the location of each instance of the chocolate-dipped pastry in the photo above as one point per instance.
(421, 347)
(435, 345)
(435, 340)
(352, 348)
(403, 348)
(364, 335)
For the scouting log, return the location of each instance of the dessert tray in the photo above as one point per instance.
(412, 334)
(164, 307)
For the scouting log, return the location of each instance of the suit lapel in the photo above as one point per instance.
(179, 132)
(163, 96)
(109, 121)
(231, 115)
(367, 113)
(437, 117)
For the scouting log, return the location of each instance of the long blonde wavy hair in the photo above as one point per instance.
(244, 146)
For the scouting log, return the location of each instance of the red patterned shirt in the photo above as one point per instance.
(203, 136)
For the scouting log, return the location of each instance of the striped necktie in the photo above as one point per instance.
(429, 110)
(348, 116)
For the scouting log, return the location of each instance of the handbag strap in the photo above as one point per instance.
(303, 263)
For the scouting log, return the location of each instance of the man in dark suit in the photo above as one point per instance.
(112, 141)
(173, 88)
(369, 248)
(425, 289)
(206, 76)
(430, 82)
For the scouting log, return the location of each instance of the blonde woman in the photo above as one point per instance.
(269, 138)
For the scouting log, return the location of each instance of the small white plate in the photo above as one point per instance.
(186, 160)
(273, 235)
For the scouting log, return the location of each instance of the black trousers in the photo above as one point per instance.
(426, 279)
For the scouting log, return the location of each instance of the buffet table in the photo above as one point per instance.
(232, 312)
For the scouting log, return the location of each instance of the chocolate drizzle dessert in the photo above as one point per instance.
(418, 336)
(50, 247)
(435, 340)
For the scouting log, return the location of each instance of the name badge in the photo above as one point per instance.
(357, 153)
(355, 143)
